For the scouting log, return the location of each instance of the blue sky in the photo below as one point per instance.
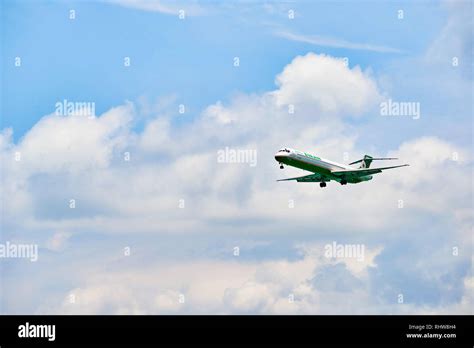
(83, 59)
(281, 230)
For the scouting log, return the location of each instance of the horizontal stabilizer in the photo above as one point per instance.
(375, 159)
(364, 171)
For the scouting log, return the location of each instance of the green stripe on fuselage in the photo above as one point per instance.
(312, 156)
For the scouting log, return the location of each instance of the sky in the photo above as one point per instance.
(131, 209)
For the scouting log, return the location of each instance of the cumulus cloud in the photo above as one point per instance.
(327, 85)
(204, 287)
(74, 143)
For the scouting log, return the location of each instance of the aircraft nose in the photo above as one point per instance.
(279, 156)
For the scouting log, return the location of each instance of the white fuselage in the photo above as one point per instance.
(309, 162)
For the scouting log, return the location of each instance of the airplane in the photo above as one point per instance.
(325, 170)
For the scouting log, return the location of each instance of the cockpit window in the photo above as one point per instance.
(284, 150)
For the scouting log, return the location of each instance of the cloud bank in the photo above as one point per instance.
(164, 184)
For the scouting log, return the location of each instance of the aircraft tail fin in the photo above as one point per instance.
(367, 160)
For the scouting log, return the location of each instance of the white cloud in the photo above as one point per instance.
(156, 137)
(326, 85)
(74, 143)
(202, 287)
(191, 8)
(311, 285)
(322, 41)
(58, 241)
(251, 297)
(219, 113)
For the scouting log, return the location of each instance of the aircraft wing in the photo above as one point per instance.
(364, 171)
(307, 178)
